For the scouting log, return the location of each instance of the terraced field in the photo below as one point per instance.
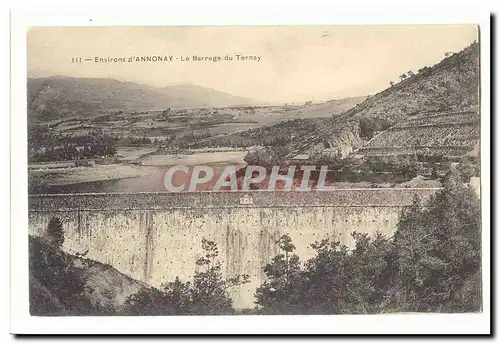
(450, 134)
(433, 111)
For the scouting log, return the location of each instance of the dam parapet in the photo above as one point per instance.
(369, 197)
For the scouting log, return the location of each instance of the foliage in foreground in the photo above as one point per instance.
(207, 294)
(431, 264)
(56, 286)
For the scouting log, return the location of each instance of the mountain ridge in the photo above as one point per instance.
(61, 96)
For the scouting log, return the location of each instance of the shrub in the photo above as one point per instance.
(55, 232)
(369, 125)
(431, 264)
(206, 295)
(56, 286)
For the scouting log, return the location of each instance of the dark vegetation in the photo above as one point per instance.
(56, 286)
(376, 169)
(207, 294)
(432, 263)
(45, 146)
(369, 126)
(61, 148)
(69, 284)
(73, 152)
(394, 168)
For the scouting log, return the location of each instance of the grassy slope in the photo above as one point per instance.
(452, 84)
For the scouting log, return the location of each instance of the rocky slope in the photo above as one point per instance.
(452, 85)
(67, 284)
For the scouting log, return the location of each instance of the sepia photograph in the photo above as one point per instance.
(254, 170)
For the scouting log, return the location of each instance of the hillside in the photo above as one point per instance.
(284, 123)
(434, 110)
(451, 86)
(61, 96)
(65, 284)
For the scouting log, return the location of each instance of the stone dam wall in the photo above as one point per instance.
(155, 237)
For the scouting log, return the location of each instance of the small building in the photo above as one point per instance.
(246, 200)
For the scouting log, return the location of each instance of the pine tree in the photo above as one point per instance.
(55, 232)
(439, 248)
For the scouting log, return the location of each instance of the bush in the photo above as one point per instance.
(55, 232)
(431, 264)
(369, 125)
(439, 249)
(206, 295)
(56, 287)
(268, 157)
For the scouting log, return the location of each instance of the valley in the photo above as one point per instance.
(423, 123)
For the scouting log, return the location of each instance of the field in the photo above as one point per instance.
(178, 125)
(132, 154)
(235, 157)
(74, 175)
(155, 138)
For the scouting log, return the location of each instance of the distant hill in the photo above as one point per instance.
(322, 109)
(205, 97)
(62, 96)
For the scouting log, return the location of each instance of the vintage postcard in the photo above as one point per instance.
(254, 170)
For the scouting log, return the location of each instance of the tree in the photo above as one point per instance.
(335, 281)
(207, 294)
(391, 83)
(439, 250)
(431, 264)
(147, 302)
(268, 157)
(55, 232)
(57, 287)
(425, 71)
(281, 294)
(403, 76)
(369, 125)
(166, 112)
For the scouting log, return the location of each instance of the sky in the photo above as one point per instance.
(297, 63)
